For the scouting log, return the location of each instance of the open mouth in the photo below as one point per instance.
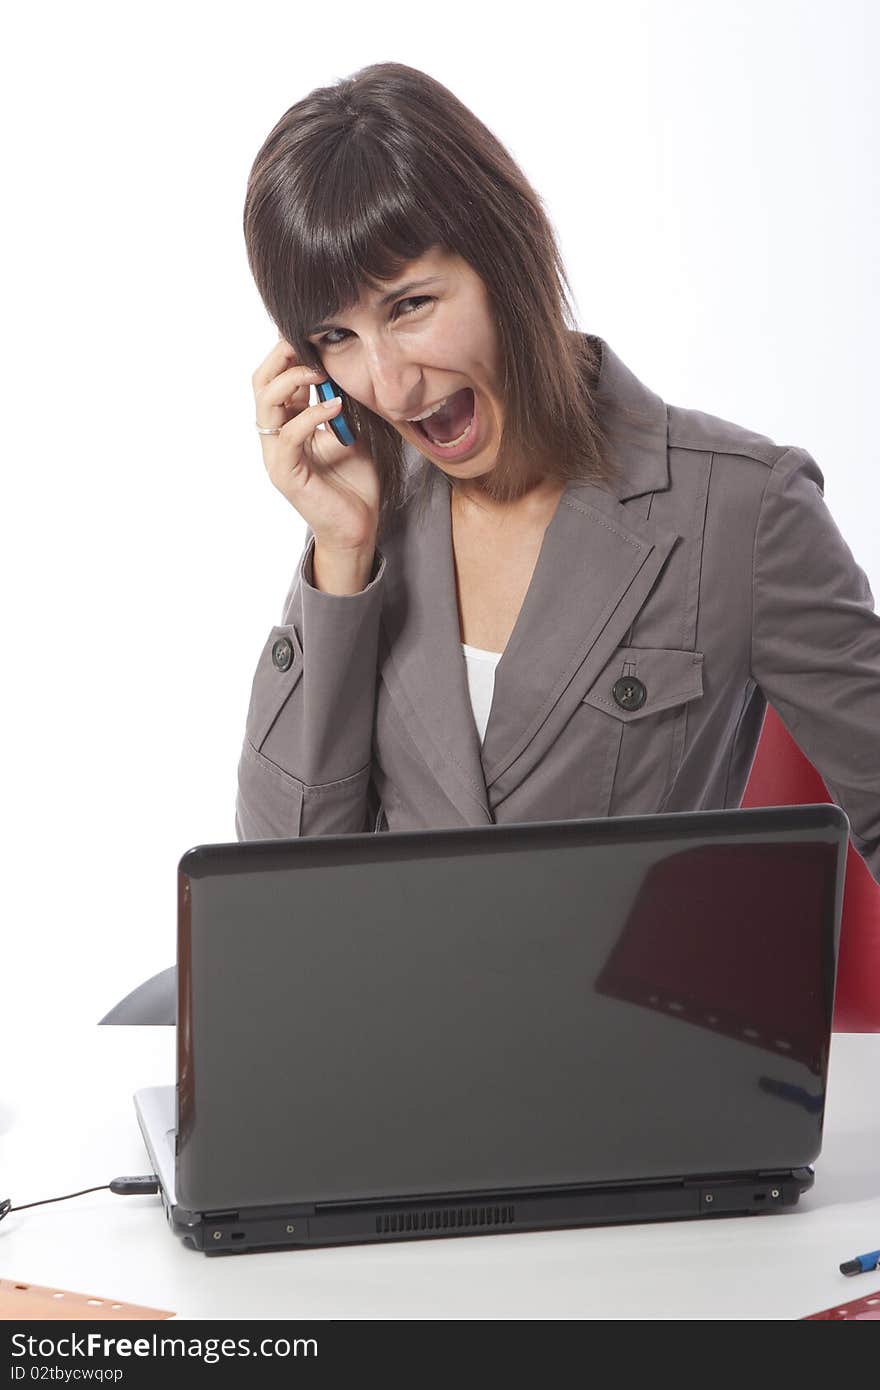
(449, 426)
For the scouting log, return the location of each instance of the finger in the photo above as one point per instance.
(272, 363)
(281, 356)
(288, 391)
(287, 382)
(298, 431)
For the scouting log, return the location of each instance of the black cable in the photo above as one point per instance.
(123, 1187)
(7, 1205)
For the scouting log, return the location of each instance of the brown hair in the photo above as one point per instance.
(361, 177)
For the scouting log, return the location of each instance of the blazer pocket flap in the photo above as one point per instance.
(278, 671)
(640, 681)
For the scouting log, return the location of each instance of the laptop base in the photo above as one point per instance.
(370, 1221)
(235, 1232)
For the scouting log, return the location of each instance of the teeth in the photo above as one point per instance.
(428, 413)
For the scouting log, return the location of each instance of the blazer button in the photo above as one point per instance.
(282, 653)
(629, 692)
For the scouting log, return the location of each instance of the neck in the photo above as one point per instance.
(469, 501)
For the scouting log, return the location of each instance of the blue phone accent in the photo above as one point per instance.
(339, 425)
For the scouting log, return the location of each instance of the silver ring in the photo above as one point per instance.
(262, 429)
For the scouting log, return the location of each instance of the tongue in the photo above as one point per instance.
(452, 419)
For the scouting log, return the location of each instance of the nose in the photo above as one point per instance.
(394, 381)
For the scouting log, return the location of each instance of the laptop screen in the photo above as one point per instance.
(510, 1007)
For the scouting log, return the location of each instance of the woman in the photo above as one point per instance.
(582, 607)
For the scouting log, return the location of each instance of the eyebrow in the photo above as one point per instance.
(387, 298)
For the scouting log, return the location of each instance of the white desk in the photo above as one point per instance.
(68, 1122)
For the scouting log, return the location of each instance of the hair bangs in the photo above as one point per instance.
(359, 224)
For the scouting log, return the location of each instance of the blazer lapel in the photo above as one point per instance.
(595, 569)
(597, 565)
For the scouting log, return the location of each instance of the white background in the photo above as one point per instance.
(712, 173)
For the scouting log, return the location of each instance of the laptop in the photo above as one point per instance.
(503, 1028)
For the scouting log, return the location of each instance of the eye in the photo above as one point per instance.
(418, 299)
(328, 341)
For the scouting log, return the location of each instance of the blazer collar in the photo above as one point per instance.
(597, 565)
(635, 422)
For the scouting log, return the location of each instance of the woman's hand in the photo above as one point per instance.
(333, 486)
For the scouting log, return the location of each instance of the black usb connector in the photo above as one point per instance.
(128, 1187)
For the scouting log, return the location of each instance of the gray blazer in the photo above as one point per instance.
(660, 620)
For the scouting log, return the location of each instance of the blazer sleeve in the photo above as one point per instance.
(816, 643)
(306, 759)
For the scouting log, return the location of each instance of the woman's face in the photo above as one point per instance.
(426, 335)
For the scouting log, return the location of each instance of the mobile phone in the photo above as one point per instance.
(339, 425)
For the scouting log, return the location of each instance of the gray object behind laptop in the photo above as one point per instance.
(155, 1001)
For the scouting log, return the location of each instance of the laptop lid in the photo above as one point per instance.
(510, 1007)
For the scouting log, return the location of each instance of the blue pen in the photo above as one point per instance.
(862, 1263)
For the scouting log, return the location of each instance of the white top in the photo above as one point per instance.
(481, 683)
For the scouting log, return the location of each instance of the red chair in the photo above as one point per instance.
(782, 776)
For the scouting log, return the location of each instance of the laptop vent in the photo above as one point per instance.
(443, 1219)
